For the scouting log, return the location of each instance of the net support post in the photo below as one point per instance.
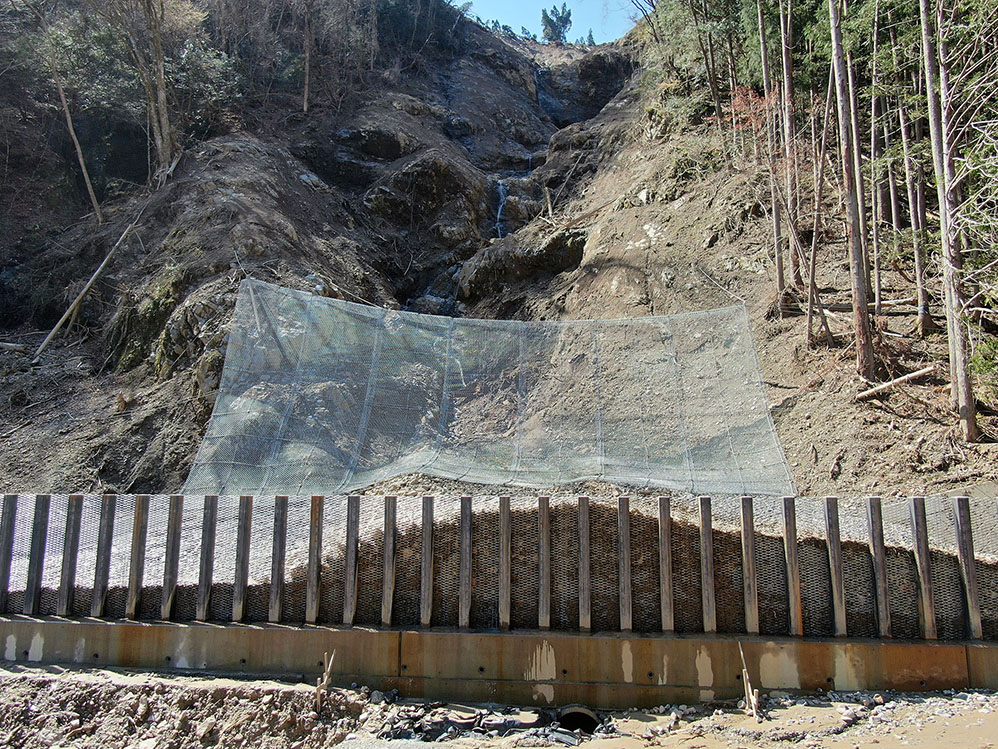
(505, 563)
(793, 566)
(350, 562)
(6, 546)
(241, 579)
(36, 556)
(666, 595)
(313, 574)
(464, 571)
(834, 540)
(544, 562)
(137, 561)
(275, 611)
(70, 555)
(171, 566)
(102, 569)
(875, 521)
(426, 566)
(388, 562)
(206, 571)
(968, 566)
(750, 581)
(624, 562)
(923, 565)
(585, 580)
(708, 600)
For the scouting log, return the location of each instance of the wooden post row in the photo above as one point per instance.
(923, 565)
(242, 558)
(666, 599)
(834, 540)
(6, 546)
(70, 553)
(585, 590)
(968, 566)
(464, 571)
(544, 563)
(137, 562)
(388, 561)
(171, 564)
(707, 567)
(314, 573)
(750, 584)
(875, 522)
(36, 557)
(426, 566)
(278, 553)
(209, 529)
(624, 562)
(350, 563)
(102, 569)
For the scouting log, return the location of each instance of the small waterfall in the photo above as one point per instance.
(501, 188)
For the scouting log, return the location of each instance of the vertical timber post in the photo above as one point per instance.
(464, 571)
(666, 599)
(350, 575)
(750, 582)
(875, 521)
(624, 562)
(707, 567)
(314, 573)
(388, 563)
(102, 569)
(834, 541)
(171, 567)
(137, 563)
(923, 564)
(968, 566)
(70, 555)
(209, 527)
(585, 581)
(793, 566)
(426, 566)
(241, 580)
(6, 546)
(544, 563)
(36, 557)
(505, 563)
(278, 554)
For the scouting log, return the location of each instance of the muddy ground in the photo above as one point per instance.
(114, 709)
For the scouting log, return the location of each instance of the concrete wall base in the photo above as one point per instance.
(520, 667)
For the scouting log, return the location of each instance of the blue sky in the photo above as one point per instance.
(609, 19)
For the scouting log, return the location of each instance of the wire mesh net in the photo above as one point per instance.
(321, 396)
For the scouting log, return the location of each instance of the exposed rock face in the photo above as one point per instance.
(508, 260)
(578, 91)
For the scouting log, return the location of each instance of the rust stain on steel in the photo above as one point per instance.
(527, 667)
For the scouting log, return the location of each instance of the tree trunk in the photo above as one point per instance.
(771, 151)
(875, 191)
(861, 313)
(857, 156)
(937, 74)
(789, 128)
(165, 147)
(308, 57)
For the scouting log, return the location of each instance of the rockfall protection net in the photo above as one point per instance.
(324, 396)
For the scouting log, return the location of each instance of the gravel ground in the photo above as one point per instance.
(114, 709)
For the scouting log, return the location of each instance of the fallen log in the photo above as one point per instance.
(897, 381)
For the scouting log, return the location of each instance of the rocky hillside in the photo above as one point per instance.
(495, 180)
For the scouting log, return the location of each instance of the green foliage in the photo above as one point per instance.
(556, 23)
